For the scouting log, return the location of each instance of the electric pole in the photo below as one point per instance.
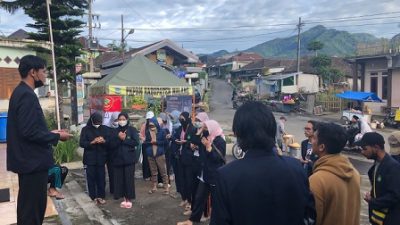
(122, 38)
(298, 43)
(90, 38)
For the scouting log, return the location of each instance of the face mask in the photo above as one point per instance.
(206, 133)
(182, 121)
(198, 124)
(96, 126)
(122, 123)
(38, 83)
(114, 124)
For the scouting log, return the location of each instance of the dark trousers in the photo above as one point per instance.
(187, 176)
(32, 198)
(202, 193)
(110, 172)
(177, 167)
(196, 170)
(96, 181)
(145, 163)
(124, 180)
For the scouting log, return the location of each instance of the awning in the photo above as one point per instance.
(360, 96)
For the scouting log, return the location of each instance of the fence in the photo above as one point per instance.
(330, 102)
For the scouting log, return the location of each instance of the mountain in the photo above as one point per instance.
(336, 43)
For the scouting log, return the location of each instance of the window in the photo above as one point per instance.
(374, 85)
(288, 81)
(374, 74)
(384, 87)
(384, 73)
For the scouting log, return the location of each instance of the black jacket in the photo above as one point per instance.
(211, 161)
(175, 148)
(96, 154)
(387, 189)
(187, 152)
(124, 151)
(262, 188)
(29, 142)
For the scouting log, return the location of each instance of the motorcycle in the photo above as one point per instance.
(390, 121)
(237, 152)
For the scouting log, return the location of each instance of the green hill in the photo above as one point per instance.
(336, 43)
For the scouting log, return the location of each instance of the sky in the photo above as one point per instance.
(206, 26)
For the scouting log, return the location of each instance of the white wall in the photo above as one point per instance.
(308, 82)
(395, 88)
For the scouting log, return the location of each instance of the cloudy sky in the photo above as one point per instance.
(205, 26)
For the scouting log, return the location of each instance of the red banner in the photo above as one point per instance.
(112, 103)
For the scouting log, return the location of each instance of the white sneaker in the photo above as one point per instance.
(160, 185)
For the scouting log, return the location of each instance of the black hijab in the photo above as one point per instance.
(124, 128)
(95, 118)
(187, 120)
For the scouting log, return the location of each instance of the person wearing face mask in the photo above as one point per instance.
(186, 159)
(155, 143)
(142, 135)
(212, 153)
(175, 149)
(166, 124)
(29, 142)
(112, 125)
(94, 140)
(126, 139)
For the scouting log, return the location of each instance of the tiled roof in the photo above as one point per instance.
(19, 34)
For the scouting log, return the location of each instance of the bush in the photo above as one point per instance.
(66, 151)
(50, 119)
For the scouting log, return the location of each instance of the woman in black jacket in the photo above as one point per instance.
(94, 140)
(212, 154)
(126, 139)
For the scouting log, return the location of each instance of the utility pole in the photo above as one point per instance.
(298, 43)
(122, 38)
(90, 37)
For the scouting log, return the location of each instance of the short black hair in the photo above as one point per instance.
(29, 62)
(254, 126)
(332, 136)
(356, 117)
(314, 124)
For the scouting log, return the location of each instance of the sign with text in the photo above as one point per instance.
(182, 103)
(80, 97)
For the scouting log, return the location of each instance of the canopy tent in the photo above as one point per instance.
(140, 76)
(359, 96)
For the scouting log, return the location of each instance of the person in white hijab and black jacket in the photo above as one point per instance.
(125, 141)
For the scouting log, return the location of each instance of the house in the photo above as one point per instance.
(11, 52)
(290, 83)
(378, 74)
(262, 67)
(223, 66)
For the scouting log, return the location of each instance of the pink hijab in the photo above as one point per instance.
(202, 116)
(214, 129)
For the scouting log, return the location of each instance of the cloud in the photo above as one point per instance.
(228, 24)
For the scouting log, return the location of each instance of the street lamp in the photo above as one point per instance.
(131, 31)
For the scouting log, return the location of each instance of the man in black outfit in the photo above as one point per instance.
(384, 197)
(29, 151)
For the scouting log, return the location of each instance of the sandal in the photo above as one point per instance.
(166, 191)
(128, 205)
(123, 204)
(151, 191)
(59, 196)
(188, 207)
(101, 201)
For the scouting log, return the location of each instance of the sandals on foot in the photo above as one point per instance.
(123, 204)
(151, 191)
(128, 205)
(101, 201)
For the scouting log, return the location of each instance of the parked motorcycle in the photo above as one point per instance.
(390, 121)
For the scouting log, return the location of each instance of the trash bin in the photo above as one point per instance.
(3, 126)
(295, 150)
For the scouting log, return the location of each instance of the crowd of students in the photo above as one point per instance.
(173, 148)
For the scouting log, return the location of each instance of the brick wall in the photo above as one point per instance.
(9, 79)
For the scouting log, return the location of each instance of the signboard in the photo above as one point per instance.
(182, 103)
(79, 97)
(112, 103)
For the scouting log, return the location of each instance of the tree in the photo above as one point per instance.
(66, 24)
(322, 66)
(315, 46)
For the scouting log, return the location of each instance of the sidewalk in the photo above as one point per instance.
(8, 210)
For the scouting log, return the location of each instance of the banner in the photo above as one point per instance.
(182, 103)
(117, 90)
(112, 103)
